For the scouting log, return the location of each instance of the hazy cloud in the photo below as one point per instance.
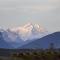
(18, 12)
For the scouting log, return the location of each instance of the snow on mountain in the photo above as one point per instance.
(30, 31)
(24, 34)
(12, 38)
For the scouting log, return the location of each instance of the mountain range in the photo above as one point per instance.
(44, 42)
(16, 37)
(28, 36)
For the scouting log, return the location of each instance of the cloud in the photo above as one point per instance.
(37, 5)
(17, 12)
(28, 5)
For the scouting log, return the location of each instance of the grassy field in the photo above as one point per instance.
(48, 54)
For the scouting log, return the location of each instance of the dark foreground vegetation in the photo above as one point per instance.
(30, 54)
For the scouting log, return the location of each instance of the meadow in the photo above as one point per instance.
(30, 54)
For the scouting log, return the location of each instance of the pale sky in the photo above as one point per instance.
(14, 13)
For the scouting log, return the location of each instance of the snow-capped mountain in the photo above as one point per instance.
(22, 35)
(30, 31)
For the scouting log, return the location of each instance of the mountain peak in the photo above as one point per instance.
(28, 25)
(27, 31)
(23, 34)
(28, 28)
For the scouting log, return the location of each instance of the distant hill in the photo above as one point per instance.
(44, 42)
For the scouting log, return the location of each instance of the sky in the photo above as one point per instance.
(14, 13)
